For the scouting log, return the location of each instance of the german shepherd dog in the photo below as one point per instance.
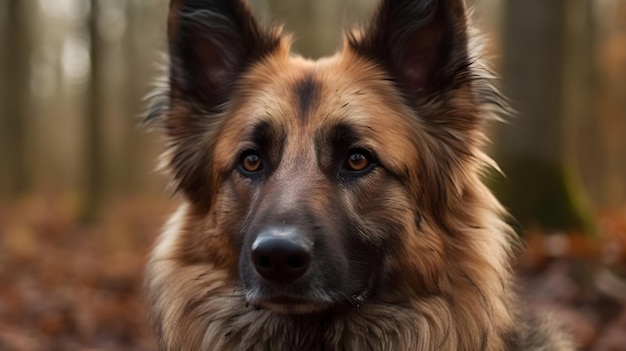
(334, 204)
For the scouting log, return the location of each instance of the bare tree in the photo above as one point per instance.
(15, 90)
(135, 12)
(94, 151)
(542, 186)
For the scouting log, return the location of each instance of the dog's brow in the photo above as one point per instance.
(263, 133)
(344, 134)
(269, 138)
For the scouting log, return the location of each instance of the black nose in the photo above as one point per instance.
(281, 255)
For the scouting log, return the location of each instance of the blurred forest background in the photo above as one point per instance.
(80, 202)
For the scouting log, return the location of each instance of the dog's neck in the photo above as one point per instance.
(221, 320)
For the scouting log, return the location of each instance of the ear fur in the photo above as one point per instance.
(422, 43)
(211, 44)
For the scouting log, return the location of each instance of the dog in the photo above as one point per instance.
(334, 204)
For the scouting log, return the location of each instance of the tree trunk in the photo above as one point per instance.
(134, 77)
(542, 187)
(94, 152)
(14, 168)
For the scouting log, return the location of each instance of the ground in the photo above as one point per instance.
(69, 286)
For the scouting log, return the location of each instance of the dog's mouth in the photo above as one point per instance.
(284, 303)
(294, 304)
(289, 305)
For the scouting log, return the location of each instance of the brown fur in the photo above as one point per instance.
(440, 248)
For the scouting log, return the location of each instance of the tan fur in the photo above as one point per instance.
(448, 286)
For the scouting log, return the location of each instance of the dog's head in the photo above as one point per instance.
(313, 183)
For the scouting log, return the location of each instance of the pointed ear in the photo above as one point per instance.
(422, 43)
(211, 42)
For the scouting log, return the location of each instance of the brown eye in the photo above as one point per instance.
(358, 161)
(252, 163)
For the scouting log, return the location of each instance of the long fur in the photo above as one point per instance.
(444, 279)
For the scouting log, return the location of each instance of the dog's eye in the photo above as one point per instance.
(358, 161)
(251, 163)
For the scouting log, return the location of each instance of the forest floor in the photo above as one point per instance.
(64, 286)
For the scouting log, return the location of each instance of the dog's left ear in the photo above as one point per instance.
(422, 43)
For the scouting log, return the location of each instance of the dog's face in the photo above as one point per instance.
(318, 177)
(309, 180)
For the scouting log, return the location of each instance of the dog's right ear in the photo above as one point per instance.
(211, 43)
